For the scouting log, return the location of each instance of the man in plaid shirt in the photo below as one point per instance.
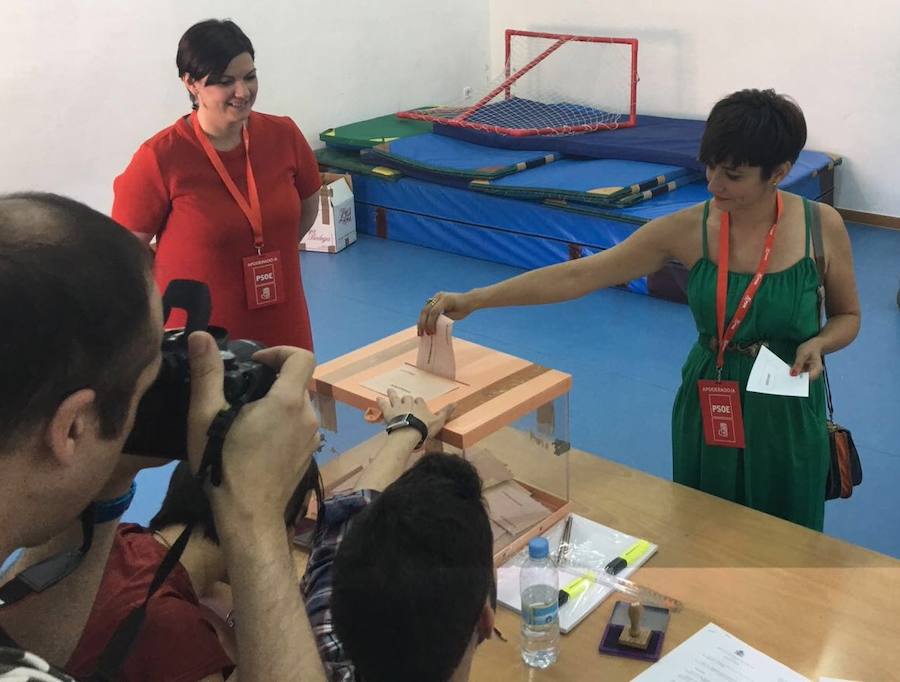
(400, 585)
(339, 511)
(317, 581)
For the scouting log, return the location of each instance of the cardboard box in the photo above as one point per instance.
(335, 226)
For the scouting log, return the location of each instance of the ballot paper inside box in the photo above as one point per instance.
(511, 420)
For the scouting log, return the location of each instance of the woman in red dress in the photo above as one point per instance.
(228, 193)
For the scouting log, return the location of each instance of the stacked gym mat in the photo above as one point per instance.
(533, 201)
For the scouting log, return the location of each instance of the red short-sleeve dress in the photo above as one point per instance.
(171, 190)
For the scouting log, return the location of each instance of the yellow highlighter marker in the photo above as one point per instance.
(576, 587)
(632, 554)
(636, 551)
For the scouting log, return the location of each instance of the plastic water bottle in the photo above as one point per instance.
(539, 585)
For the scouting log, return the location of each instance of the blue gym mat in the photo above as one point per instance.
(476, 241)
(803, 180)
(655, 139)
(530, 234)
(468, 208)
(606, 182)
(432, 155)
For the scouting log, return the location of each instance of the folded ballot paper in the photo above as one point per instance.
(436, 350)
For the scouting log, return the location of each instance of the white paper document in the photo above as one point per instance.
(714, 655)
(593, 546)
(770, 374)
(409, 380)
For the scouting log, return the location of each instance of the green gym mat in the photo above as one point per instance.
(365, 134)
(330, 158)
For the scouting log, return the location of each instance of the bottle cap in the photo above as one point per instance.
(539, 548)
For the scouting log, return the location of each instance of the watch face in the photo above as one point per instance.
(408, 421)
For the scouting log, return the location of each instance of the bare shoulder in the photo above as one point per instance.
(677, 222)
(829, 217)
(834, 231)
(832, 221)
(835, 239)
(681, 233)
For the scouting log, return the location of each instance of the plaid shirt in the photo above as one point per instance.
(316, 583)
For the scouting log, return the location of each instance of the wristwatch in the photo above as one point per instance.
(404, 420)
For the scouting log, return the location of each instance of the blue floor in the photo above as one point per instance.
(624, 350)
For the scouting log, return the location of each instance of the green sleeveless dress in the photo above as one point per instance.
(782, 469)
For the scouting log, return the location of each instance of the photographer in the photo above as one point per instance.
(177, 642)
(82, 326)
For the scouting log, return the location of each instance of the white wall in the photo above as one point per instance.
(84, 82)
(840, 60)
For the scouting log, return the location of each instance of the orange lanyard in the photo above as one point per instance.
(251, 209)
(726, 335)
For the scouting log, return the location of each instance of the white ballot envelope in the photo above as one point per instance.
(436, 350)
(770, 374)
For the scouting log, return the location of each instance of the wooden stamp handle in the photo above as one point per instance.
(634, 615)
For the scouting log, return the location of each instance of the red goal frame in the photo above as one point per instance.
(462, 114)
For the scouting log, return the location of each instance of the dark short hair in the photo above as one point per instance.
(186, 501)
(207, 48)
(756, 128)
(74, 312)
(413, 573)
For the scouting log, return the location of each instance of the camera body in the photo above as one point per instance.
(160, 426)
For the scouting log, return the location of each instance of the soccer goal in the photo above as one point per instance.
(552, 84)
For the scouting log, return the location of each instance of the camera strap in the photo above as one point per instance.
(215, 441)
(47, 573)
(116, 651)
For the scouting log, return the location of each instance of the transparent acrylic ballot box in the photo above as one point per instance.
(511, 421)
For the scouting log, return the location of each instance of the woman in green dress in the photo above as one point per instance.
(751, 140)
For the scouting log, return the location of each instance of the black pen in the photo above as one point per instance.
(562, 550)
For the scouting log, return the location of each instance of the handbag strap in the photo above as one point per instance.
(814, 220)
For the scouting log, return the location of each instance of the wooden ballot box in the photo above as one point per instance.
(511, 420)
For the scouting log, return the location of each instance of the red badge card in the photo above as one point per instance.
(720, 406)
(263, 280)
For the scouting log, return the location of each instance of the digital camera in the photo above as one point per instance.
(160, 426)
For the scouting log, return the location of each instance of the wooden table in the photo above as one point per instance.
(820, 606)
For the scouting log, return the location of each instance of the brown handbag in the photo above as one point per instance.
(845, 469)
(844, 466)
